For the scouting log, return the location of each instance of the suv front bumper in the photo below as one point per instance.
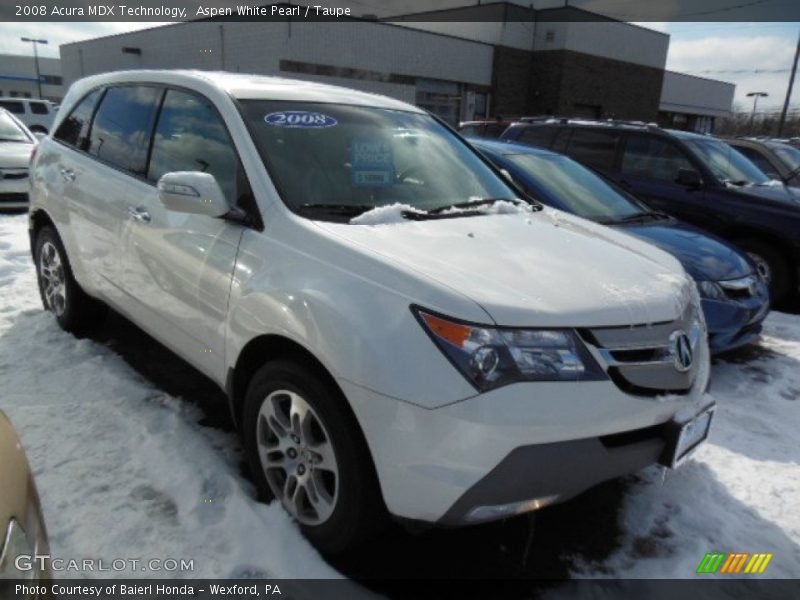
(527, 443)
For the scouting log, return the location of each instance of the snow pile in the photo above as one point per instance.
(386, 215)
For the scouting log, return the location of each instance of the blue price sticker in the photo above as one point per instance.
(372, 163)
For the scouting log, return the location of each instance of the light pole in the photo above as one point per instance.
(36, 60)
(755, 96)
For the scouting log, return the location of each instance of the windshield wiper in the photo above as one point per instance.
(13, 140)
(477, 204)
(637, 217)
(344, 210)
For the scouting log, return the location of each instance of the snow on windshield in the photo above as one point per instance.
(392, 214)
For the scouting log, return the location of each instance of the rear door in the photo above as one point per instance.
(97, 173)
(649, 168)
(178, 267)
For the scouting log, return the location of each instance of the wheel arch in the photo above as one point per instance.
(39, 219)
(260, 350)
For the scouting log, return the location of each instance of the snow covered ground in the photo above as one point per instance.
(126, 471)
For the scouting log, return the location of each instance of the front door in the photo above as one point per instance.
(178, 267)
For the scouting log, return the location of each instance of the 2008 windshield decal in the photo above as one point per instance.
(300, 119)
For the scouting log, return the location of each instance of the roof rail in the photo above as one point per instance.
(588, 121)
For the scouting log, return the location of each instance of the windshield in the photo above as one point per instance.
(580, 190)
(10, 131)
(788, 155)
(338, 157)
(726, 163)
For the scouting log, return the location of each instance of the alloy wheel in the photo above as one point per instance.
(297, 456)
(53, 280)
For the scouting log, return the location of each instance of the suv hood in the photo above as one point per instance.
(15, 155)
(537, 269)
(704, 257)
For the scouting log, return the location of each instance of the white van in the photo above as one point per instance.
(397, 332)
(37, 114)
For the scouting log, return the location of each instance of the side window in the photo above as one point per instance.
(74, 130)
(653, 158)
(190, 136)
(13, 106)
(39, 108)
(469, 130)
(594, 148)
(759, 160)
(538, 135)
(121, 129)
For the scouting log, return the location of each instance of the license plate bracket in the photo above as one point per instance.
(683, 438)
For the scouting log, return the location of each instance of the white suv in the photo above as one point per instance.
(37, 115)
(396, 332)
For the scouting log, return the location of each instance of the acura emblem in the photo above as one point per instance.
(681, 349)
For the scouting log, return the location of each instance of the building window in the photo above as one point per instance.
(52, 79)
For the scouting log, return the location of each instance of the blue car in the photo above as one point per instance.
(735, 298)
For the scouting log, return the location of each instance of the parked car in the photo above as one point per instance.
(696, 178)
(397, 333)
(735, 299)
(16, 145)
(488, 128)
(37, 115)
(21, 522)
(777, 160)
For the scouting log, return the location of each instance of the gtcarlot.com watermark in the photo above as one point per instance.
(41, 562)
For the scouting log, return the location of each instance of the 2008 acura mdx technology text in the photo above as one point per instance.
(397, 333)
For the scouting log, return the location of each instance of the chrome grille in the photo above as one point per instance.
(650, 359)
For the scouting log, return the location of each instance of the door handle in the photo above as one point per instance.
(68, 174)
(139, 214)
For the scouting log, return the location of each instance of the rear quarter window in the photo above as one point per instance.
(74, 130)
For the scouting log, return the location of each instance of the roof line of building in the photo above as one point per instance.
(699, 77)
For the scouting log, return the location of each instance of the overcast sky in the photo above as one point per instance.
(754, 56)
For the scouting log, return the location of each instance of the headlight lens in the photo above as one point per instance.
(490, 357)
(711, 290)
(16, 544)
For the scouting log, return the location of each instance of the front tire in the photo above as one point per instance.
(305, 449)
(74, 309)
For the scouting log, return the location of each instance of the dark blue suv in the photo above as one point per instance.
(735, 300)
(697, 178)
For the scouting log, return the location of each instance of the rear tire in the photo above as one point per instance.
(771, 264)
(320, 470)
(74, 309)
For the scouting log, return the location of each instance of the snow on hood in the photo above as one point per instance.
(543, 268)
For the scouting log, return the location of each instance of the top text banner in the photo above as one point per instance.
(406, 10)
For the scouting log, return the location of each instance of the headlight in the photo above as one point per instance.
(711, 290)
(16, 544)
(490, 357)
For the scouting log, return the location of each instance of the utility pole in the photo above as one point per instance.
(755, 96)
(789, 91)
(36, 60)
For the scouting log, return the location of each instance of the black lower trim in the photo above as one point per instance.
(563, 469)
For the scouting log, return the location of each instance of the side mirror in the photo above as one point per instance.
(192, 192)
(690, 178)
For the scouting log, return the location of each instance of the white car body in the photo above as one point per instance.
(14, 159)
(38, 115)
(211, 289)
